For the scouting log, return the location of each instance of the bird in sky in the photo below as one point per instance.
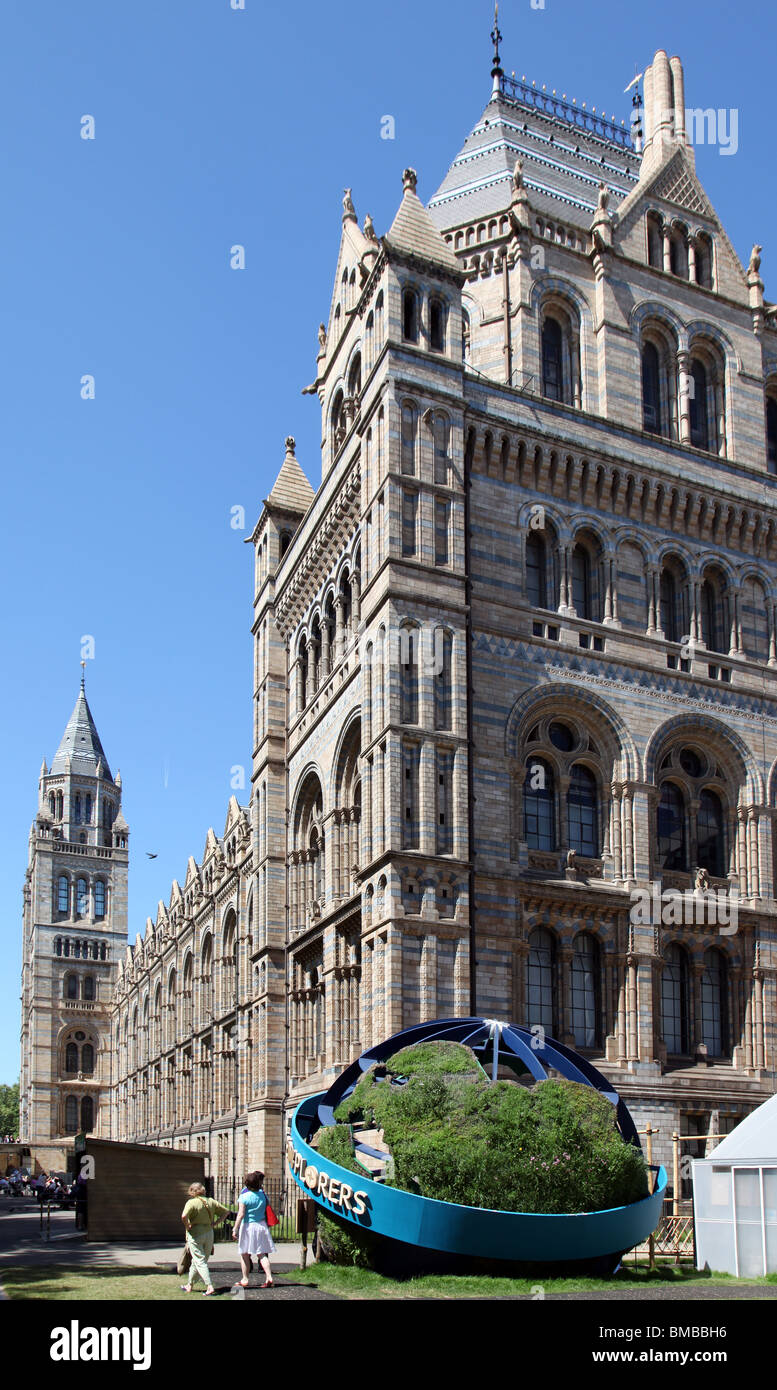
(150, 855)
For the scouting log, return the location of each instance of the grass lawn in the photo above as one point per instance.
(115, 1282)
(350, 1282)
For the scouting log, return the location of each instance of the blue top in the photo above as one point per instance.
(255, 1204)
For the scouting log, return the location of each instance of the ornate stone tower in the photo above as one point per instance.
(75, 928)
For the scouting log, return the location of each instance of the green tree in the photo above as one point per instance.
(9, 1109)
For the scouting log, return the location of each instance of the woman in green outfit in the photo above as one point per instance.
(198, 1217)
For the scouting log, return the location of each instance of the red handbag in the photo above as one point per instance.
(270, 1216)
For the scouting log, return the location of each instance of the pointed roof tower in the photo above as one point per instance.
(291, 491)
(565, 148)
(413, 233)
(80, 749)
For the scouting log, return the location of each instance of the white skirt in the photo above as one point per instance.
(254, 1239)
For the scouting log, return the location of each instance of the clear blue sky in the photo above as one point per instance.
(215, 127)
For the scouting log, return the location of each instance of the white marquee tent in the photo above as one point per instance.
(735, 1198)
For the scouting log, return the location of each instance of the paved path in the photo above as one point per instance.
(22, 1242)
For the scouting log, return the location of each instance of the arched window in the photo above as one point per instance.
(714, 624)
(63, 894)
(539, 816)
(71, 1115)
(678, 251)
(355, 377)
(82, 897)
(409, 433)
(436, 325)
(302, 678)
(410, 316)
(704, 261)
(584, 1000)
(99, 898)
(77, 809)
(443, 691)
(651, 390)
(408, 638)
(369, 342)
(655, 241)
(71, 1057)
(87, 1115)
(714, 1004)
(583, 812)
(466, 336)
(552, 365)
(87, 1059)
(379, 322)
(710, 835)
(699, 406)
(675, 1001)
(87, 991)
(441, 437)
(541, 974)
(536, 571)
(337, 422)
(671, 615)
(584, 596)
(71, 986)
(88, 809)
(771, 434)
(754, 612)
(672, 845)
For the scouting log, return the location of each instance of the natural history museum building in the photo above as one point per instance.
(515, 680)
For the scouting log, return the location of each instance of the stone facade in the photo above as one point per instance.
(515, 659)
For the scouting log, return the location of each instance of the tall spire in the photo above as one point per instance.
(496, 67)
(80, 749)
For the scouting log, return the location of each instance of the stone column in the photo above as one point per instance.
(632, 1016)
(758, 987)
(340, 633)
(667, 246)
(683, 379)
(692, 260)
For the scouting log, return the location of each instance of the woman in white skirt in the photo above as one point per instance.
(251, 1230)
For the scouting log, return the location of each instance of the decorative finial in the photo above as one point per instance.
(409, 180)
(755, 259)
(496, 39)
(604, 197)
(322, 336)
(369, 228)
(291, 443)
(349, 211)
(83, 675)
(518, 174)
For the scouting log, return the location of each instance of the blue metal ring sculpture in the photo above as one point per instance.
(445, 1226)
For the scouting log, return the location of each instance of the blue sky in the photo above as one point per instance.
(215, 127)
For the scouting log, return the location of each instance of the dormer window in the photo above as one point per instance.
(410, 316)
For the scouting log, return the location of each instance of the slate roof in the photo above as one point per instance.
(81, 743)
(291, 490)
(563, 161)
(413, 233)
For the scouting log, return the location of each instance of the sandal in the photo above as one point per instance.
(269, 1284)
(186, 1288)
